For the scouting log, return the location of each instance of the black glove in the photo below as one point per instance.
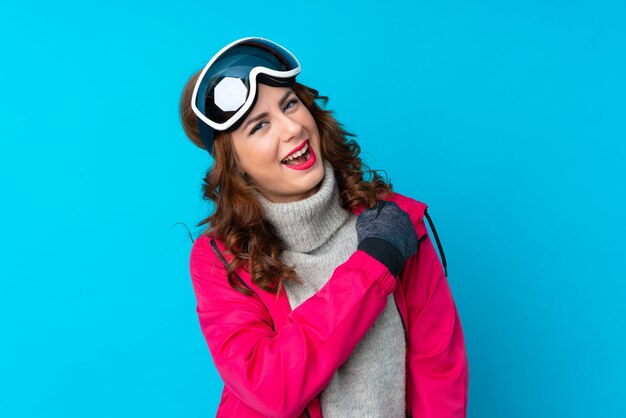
(386, 233)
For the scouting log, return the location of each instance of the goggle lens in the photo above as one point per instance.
(226, 85)
(226, 91)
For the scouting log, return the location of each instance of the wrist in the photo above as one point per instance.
(385, 252)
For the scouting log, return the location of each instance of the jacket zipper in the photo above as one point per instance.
(223, 260)
(239, 279)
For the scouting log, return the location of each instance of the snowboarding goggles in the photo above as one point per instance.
(226, 89)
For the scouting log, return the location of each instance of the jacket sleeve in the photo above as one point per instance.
(279, 372)
(438, 364)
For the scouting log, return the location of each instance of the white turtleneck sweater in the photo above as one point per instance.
(319, 235)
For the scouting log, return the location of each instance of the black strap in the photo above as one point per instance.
(443, 256)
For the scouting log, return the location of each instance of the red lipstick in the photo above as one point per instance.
(296, 149)
(308, 163)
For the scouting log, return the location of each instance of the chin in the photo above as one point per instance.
(306, 188)
(318, 173)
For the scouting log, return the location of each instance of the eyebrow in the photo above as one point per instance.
(265, 114)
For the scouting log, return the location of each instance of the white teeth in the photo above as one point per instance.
(297, 154)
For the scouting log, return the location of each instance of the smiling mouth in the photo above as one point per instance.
(298, 157)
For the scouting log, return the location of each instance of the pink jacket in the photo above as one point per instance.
(275, 361)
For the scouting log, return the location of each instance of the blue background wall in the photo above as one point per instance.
(507, 118)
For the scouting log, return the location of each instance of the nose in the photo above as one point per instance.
(289, 128)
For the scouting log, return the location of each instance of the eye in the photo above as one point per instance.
(258, 126)
(291, 103)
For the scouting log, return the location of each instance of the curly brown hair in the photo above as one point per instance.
(238, 218)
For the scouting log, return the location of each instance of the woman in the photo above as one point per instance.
(318, 289)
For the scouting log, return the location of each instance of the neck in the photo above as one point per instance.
(306, 224)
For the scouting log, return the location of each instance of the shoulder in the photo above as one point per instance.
(208, 262)
(209, 250)
(414, 208)
(204, 263)
(208, 247)
(218, 303)
(208, 267)
(201, 251)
